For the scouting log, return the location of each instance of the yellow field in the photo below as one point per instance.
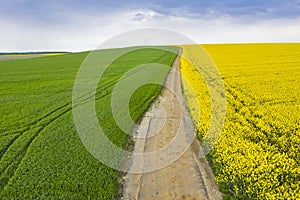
(257, 155)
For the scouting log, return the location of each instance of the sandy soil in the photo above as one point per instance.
(172, 165)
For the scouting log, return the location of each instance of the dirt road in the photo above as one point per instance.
(174, 168)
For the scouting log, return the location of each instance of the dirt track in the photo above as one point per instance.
(180, 170)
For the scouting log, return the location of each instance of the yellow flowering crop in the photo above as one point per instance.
(258, 152)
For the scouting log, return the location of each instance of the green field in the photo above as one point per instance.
(41, 154)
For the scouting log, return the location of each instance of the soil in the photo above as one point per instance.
(172, 165)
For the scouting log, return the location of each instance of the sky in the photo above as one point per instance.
(79, 25)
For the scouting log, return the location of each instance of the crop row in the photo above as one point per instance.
(257, 153)
(41, 154)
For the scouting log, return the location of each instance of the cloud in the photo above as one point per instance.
(250, 10)
(75, 30)
(143, 15)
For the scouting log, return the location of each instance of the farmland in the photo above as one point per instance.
(255, 157)
(257, 153)
(14, 56)
(41, 155)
